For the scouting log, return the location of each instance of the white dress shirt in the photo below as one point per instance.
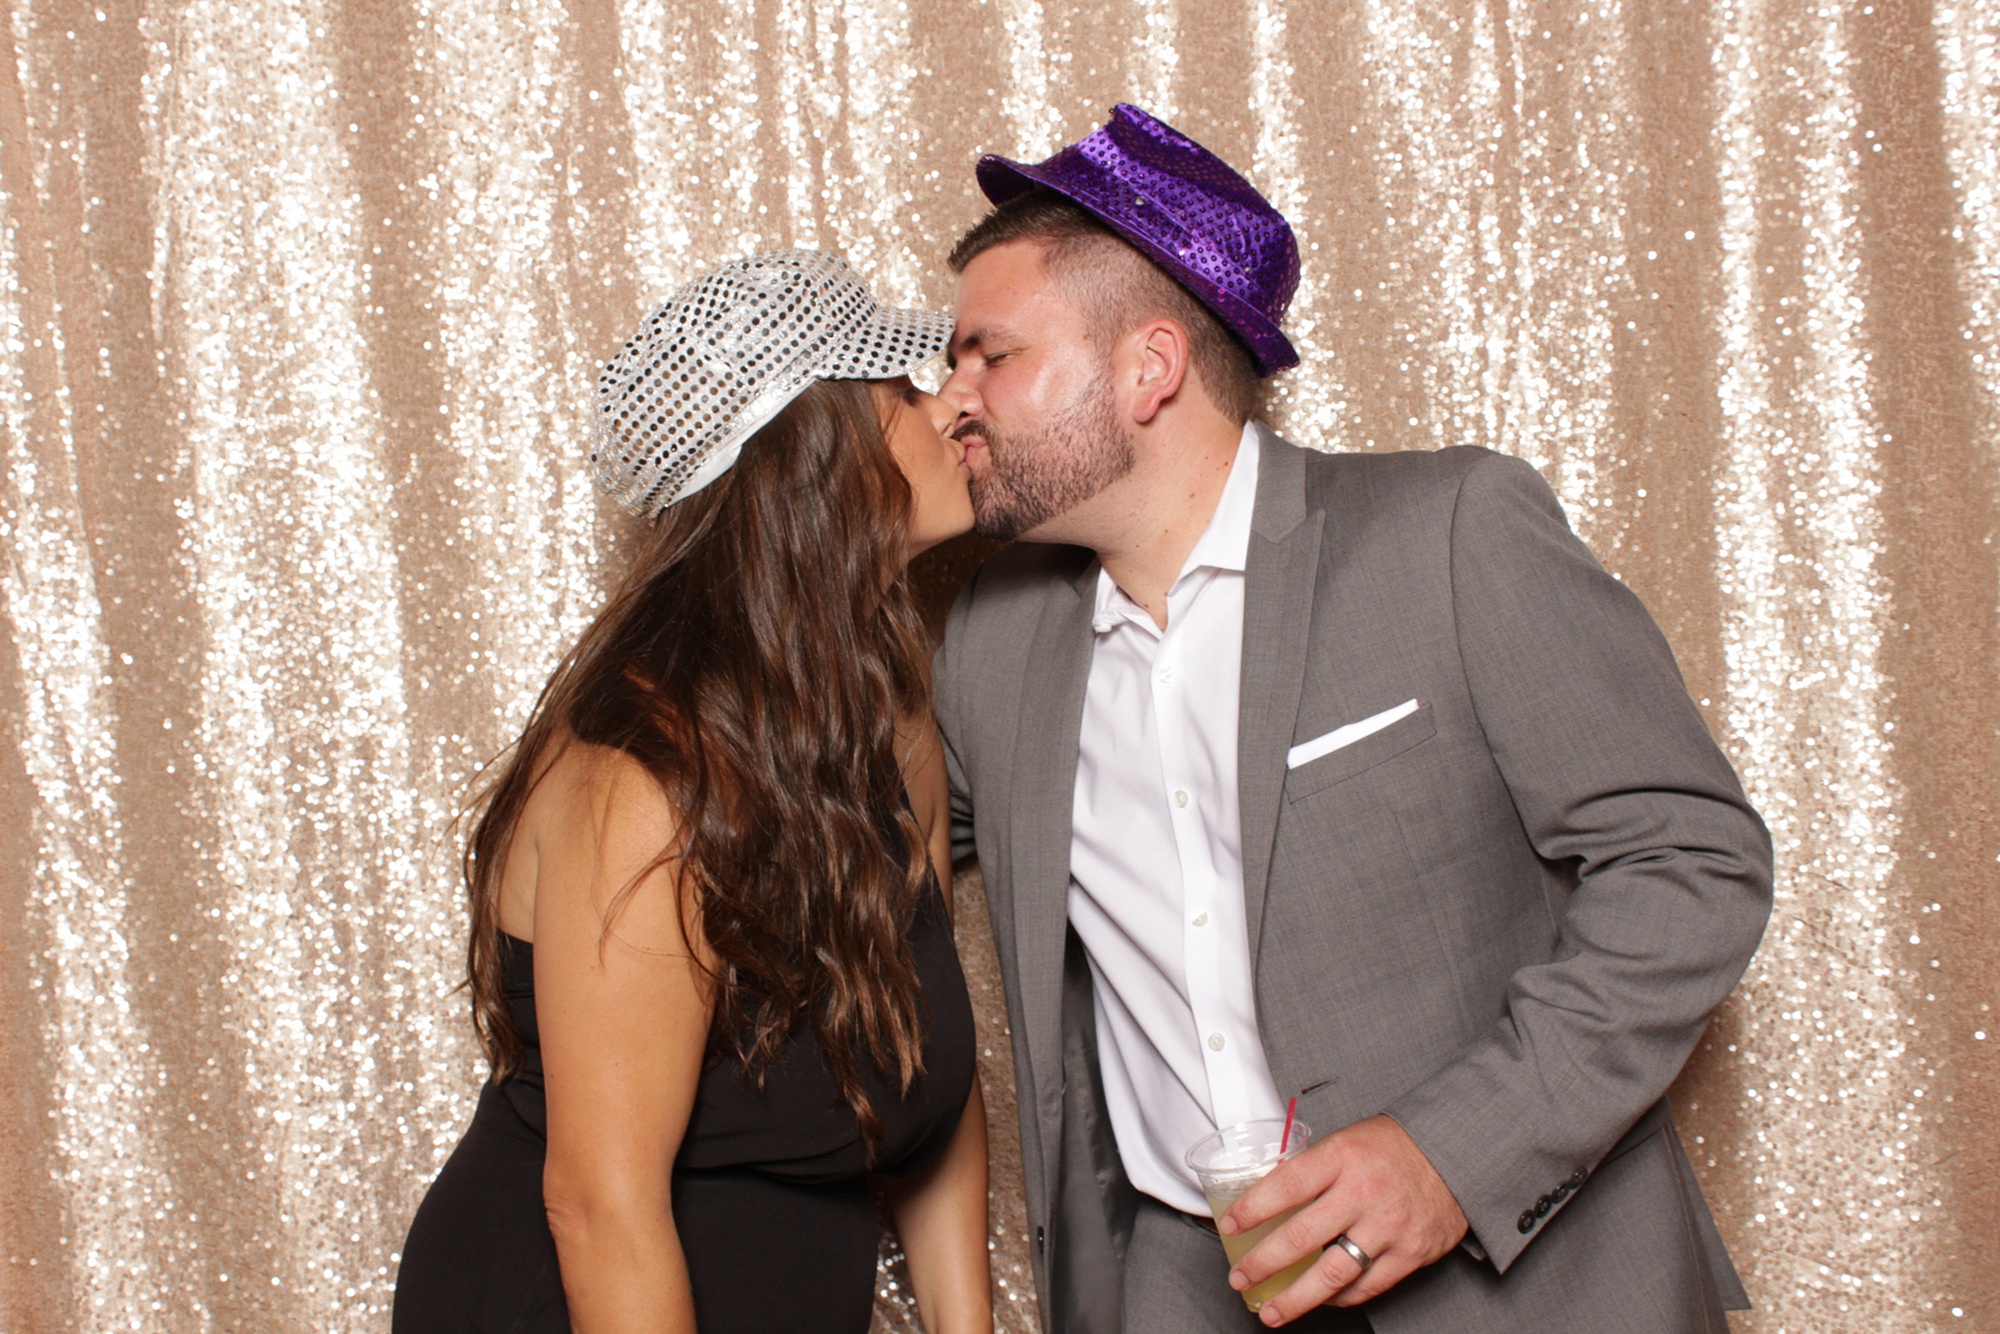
(1156, 859)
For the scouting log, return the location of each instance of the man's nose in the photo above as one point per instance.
(957, 391)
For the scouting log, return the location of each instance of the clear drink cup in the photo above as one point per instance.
(1231, 1161)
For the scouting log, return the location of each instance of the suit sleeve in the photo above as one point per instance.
(950, 719)
(1614, 774)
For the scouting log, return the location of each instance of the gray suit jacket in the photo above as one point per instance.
(1503, 920)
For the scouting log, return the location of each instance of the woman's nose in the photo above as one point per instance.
(940, 413)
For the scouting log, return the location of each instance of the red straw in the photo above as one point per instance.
(1291, 1110)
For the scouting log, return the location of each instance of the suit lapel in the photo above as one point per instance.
(1044, 787)
(1278, 579)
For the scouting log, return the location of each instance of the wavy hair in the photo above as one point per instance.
(755, 660)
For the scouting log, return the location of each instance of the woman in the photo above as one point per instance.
(711, 955)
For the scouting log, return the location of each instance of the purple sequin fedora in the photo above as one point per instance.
(1188, 210)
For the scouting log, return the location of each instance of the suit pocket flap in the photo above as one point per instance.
(1363, 755)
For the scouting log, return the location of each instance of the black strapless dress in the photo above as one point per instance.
(770, 1189)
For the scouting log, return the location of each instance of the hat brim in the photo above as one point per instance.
(902, 340)
(1002, 179)
(893, 341)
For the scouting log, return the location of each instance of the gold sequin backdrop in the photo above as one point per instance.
(299, 305)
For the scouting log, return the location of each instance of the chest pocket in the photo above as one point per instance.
(1405, 733)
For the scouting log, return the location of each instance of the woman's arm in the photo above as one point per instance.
(940, 1210)
(624, 1024)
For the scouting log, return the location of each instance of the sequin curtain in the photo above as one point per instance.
(299, 301)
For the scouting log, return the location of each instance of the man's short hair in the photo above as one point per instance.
(1118, 288)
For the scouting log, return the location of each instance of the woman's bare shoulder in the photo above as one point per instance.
(602, 831)
(596, 793)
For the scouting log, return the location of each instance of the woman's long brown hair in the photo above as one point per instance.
(755, 661)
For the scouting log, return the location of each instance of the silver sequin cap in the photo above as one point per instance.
(726, 353)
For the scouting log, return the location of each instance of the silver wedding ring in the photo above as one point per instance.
(1359, 1256)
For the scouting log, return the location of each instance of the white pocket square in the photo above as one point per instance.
(1308, 751)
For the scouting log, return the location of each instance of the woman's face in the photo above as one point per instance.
(915, 424)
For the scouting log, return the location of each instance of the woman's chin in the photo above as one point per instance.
(919, 544)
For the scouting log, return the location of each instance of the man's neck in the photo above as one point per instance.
(1161, 510)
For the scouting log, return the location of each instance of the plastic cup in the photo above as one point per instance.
(1231, 1161)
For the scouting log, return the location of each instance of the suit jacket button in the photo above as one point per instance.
(1041, 1239)
(1542, 1207)
(1576, 1178)
(1526, 1222)
(1560, 1193)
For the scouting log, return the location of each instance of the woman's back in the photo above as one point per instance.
(770, 1198)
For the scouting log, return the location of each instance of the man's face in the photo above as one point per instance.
(1041, 431)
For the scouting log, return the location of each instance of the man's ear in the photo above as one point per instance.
(1159, 365)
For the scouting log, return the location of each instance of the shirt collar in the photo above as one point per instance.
(1223, 545)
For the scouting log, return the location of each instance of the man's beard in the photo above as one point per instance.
(1032, 478)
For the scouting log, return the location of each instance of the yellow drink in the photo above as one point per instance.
(1231, 1161)
(1241, 1244)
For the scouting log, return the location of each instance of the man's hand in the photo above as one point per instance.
(1370, 1181)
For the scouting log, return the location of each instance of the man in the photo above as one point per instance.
(1346, 777)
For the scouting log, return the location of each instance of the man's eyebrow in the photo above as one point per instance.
(970, 342)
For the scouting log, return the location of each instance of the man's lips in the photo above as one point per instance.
(971, 438)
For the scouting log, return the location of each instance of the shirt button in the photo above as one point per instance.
(1201, 919)
(1180, 796)
(1215, 1042)
(1166, 673)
